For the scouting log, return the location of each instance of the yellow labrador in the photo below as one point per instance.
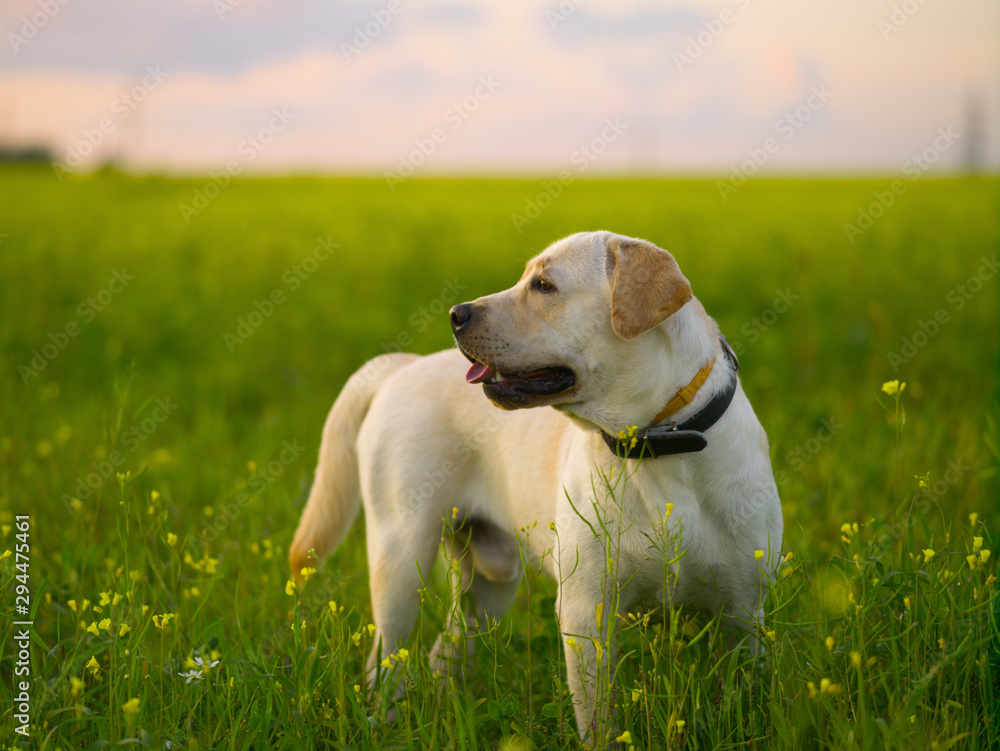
(604, 329)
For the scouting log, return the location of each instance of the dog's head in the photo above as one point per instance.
(576, 331)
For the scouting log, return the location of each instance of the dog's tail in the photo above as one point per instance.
(335, 495)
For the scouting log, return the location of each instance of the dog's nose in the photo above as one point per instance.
(460, 315)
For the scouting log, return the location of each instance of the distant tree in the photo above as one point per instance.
(26, 154)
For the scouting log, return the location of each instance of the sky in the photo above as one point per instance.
(401, 87)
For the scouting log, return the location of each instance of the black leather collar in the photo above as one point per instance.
(686, 437)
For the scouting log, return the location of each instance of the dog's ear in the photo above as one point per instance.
(647, 286)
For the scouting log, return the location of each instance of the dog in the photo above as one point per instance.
(625, 461)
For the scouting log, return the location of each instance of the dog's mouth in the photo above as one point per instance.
(522, 389)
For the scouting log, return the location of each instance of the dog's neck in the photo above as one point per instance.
(694, 343)
(691, 339)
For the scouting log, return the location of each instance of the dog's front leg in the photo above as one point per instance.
(584, 619)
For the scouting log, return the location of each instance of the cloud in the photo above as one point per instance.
(590, 25)
(454, 15)
(226, 36)
(557, 83)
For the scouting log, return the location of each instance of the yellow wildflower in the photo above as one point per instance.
(76, 686)
(758, 554)
(93, 666)
(625, 737)
(290, 588)
(171, 539)
(977, 543)
(598, 648)
(105, 625)
(162, 621)
(984, 555)
(124, 629)
(929, 554)
(131, 708)
(893, 387)
(92, 628)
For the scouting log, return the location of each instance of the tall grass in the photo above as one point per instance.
(161, 606)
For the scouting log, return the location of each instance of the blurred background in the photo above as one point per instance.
(236, 219)
(468, 86)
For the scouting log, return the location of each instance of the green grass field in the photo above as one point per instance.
(162, 451)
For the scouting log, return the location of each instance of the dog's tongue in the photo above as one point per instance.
(479, 373)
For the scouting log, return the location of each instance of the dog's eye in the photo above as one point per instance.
(542, 285)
